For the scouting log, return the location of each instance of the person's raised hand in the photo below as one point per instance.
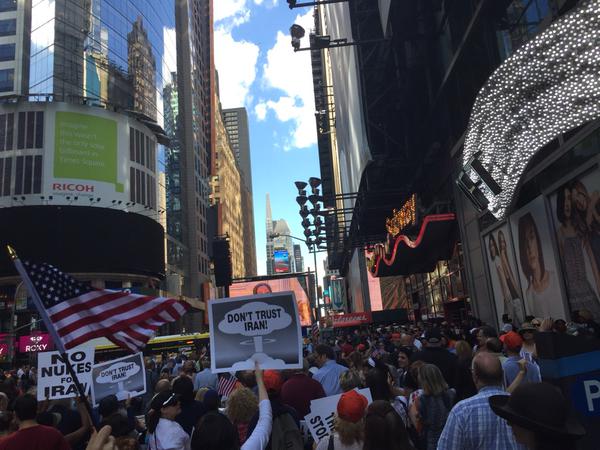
(522, 365)
(258, 372)
(102, 440)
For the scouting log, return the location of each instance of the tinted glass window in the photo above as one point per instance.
(7, 79)
(7, 52)
(8, 5)
(8, 27)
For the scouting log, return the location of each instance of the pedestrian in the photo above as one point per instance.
(205, 378)
(384, 428)
(216, 432)
(465, 387)
(512, 345)
(402, 361)
(437, 355)
(380, 383)
(349, 424)
(31, 435)
(242, 405)
(329, 371)
(484, 332)
(164, 433)
(528, 349)
(431, 410)
(191, 409)
(286, 422)
(539, 416)
(350, 379)
(300, 389)
(471, 424)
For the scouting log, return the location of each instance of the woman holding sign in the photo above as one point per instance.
(163, 432)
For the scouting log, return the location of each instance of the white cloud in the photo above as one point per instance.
(291, 73)
(236, 62)
(230, 9)
(261, 111)
(258, 2)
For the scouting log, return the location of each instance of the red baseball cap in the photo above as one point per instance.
(351, 406)
(512, 340)
(273, 380)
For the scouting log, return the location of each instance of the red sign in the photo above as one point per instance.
(35, 343)
(352, 319)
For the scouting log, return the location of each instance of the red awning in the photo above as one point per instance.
(435, 242)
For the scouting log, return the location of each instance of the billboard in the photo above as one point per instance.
(281, 258)
(506, 285)
(538, 267)
(298, 284)
(79, 156)
(577, 227)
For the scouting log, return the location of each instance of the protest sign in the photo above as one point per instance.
(261, 328)
(53, 378)
(123, 377)
(321, 418)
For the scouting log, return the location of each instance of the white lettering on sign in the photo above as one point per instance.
(36, 347)
(118, 372)
(255, 319)
(589, 395)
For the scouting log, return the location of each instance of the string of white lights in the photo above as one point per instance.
(547, 87)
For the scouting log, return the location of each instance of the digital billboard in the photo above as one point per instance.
(298, 284)
(281, 258)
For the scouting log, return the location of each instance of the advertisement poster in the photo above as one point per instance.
(576, 218)
(53, 379)
(298, 284)
(123, 377)
(6, 347)
(35, 343)
(538, 268)
(262, 328)
(504, 276)
(321, 418)
(281, 260)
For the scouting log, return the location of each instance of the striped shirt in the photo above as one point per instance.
(472, 425)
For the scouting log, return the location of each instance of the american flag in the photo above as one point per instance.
(226, 384)
(315, 332)
(79, 312)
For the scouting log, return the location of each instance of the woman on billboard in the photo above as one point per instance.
(510, 296)
(543, 289)
(572, 241)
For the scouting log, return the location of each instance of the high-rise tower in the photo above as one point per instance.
(269, 227)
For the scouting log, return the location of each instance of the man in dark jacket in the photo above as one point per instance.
(435, 354)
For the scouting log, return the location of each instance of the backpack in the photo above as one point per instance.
(286, 435)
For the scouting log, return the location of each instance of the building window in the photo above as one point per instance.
(8, 27)
(8, 5)
(6, 79)
(7, 52)
(5, 176)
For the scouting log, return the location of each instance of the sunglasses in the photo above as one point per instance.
(536, 324)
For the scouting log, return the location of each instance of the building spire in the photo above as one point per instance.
(269, 217)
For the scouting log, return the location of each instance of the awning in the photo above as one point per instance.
(351, 319)
(435, 242)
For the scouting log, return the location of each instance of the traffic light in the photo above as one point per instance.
(222, 262)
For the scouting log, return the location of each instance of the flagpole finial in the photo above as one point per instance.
(11, 252)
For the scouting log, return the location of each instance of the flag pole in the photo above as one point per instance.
(49, 325)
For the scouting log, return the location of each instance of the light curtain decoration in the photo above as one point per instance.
(548, 86)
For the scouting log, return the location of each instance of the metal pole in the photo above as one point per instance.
(316, 283)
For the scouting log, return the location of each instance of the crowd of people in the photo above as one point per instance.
(432, 386)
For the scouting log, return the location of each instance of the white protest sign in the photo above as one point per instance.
(321, 418)
(53, 378)
(123, 377)
(270, 322)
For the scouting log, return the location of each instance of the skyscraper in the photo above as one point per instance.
(282, 240)
(236, 123)
(269, 249)
(195, 127)
(80, 149)
(298, 259)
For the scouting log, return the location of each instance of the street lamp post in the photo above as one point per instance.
(312, 250)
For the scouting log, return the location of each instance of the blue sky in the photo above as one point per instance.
(259, 70)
